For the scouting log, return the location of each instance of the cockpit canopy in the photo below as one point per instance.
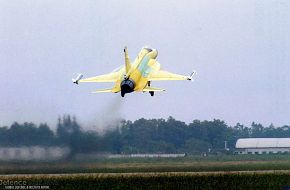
(148, 49)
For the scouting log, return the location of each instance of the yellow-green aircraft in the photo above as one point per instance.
(136, 76)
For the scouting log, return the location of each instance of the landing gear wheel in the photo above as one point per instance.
(151, 93)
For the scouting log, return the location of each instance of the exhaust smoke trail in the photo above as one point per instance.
(108, 118)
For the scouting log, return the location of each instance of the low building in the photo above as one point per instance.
(263, 146)
(146, 155)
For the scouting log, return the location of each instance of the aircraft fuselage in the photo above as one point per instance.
(144, 64)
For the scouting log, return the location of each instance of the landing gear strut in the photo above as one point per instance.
(151, 92)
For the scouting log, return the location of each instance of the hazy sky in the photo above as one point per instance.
(240, 50)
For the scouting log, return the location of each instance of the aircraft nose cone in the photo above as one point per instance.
(153, 54)
(156, 52)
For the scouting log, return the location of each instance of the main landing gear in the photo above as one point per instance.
(151, 92)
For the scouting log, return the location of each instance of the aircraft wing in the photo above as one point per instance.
(165, 75)
(110, 77)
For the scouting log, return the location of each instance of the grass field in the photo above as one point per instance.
(120, 165)
(207, 180)
(193, 172)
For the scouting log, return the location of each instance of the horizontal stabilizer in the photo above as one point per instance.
(103, 90)
(148, 89)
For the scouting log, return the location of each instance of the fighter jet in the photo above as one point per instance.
(136, 76)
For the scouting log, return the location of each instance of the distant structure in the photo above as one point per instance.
(33, 153)
(263, 146)
(146, 155)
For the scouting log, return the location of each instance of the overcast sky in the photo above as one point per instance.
(240, 50)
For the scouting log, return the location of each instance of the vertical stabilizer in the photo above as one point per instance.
(127, 61)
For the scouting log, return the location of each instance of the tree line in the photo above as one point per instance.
(140, 136)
